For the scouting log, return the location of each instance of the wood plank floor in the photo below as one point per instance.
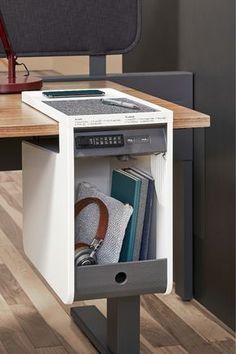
(33, 320)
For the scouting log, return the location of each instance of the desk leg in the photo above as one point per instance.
(119, 334)
(123, 319)
(183, 228)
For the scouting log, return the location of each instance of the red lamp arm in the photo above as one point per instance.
(11, 56)
(13, 84)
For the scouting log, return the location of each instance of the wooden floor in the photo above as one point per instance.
(33, 320)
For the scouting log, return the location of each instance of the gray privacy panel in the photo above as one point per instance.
(95, 106)
(71, 27)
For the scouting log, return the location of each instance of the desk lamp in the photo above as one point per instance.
(12, 83)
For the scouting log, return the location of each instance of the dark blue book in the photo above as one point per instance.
(126, 188)
(146, 232)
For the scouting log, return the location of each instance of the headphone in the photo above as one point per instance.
(86, 254)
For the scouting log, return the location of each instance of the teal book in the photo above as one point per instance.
(141, 211)
(126, 188)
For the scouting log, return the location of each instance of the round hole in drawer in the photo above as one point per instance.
(121, 278)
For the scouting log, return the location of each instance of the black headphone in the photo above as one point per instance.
(86, 254)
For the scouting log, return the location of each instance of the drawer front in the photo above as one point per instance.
(120, 279)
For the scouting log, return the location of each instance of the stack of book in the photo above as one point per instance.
(136, 188)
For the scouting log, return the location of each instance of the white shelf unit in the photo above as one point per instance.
(49, 180)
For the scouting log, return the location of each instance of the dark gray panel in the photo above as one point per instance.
(69, 27)
(120, 279)
(174, 86)
(158, 47)
(10, 154)
(207, 47)
(183, 144)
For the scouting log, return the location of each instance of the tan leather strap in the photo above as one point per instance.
(80, 244)
(103, 219)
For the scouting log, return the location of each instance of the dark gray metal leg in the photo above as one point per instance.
(97, 65)
(123, 324)
(119, 334)
(93, 324)
(183, 226)
(188, 234)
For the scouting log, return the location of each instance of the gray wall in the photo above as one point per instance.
(154, 51)
(206, 47)
(202, 40)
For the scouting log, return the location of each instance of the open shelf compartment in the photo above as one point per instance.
(153, 275)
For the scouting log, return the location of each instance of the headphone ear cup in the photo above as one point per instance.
(83, 257)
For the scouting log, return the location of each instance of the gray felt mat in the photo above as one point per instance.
(95, 106)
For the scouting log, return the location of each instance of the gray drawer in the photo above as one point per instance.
(120, 279)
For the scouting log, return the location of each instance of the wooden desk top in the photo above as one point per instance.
(18, 119)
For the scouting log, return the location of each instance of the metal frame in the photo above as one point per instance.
(119, 333)
(97, 65)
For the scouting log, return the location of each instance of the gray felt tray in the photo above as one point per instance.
(94, 106)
